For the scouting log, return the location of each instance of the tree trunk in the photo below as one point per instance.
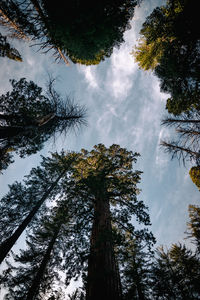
(7, 132)
(103, 281)
(33, 291)
(170, 120)
(6, 246)
(7, 21)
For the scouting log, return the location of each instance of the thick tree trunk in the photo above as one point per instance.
(6, 246)
(33, 291)
(103, 281)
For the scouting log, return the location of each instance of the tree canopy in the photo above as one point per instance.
(29, 117)
(169, 45)
(7, 51)
(84, 31)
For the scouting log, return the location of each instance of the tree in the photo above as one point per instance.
(187, 127)
(40, 263)
(28, 118)
(136, 259)
(175, 274)
(195, 175)
(100, 189)
(85, 32)
(100, 26)
(169, 45)
(104, 177)
(22, 203)
(7, 50)
(193, 226)
(14, 18)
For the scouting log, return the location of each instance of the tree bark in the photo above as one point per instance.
(33, 291)
(8, 21)
(103, 281)
(6, 246)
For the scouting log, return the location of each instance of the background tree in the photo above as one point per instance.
(169, 45)
(187, 127)
(39, 265)
(175, 274)
(135, 261)
(193, 226)
(28, 118)
(7, 50)
(23, 202)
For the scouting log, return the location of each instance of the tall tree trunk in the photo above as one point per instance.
(6, 246)
(103, 281)
(33, 291)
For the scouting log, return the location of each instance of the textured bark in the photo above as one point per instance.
(33, 291)
(6, 246)
(103, 276)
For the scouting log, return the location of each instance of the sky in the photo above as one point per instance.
(125, 107)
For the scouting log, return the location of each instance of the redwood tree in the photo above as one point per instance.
(105, 177)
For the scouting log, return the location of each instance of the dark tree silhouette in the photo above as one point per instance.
(28, 118)
(85, 32)
(7, 51)
(22, 203)
(175, 274)
(187, 126)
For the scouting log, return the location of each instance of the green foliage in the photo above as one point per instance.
(147, 55)
(7, 50)
(87, 31)
(195, 175)
(170, 47)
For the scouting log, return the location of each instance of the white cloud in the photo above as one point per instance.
(90, 74)
(120, 74)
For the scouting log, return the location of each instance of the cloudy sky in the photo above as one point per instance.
(125, 107)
